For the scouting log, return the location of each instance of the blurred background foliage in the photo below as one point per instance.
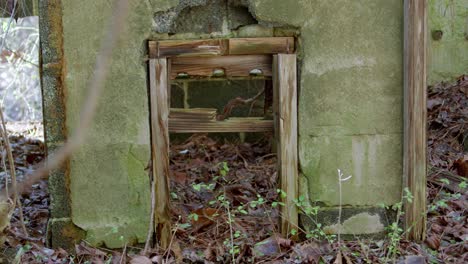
(20, 92)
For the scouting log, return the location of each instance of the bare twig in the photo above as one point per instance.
(236, 102)
(151, 222)
(95, 88)
(5, 169)
(172, 240)
(11, 162)
(124, 255)
(340, 180)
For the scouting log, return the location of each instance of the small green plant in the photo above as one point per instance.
(193, 217)
(394, 231)
(260, 201)
(203, 186)
(443, 197)
(224, 169)
(311, 212)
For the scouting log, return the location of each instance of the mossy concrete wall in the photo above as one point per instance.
(350, 105)
(448, 40)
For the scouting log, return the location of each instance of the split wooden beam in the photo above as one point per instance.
(285, 112)
(159, 110)
(221, 47)
(415, 114)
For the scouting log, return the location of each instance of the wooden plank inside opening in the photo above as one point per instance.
(244, 124)
(193, 113)
(159, 109)
(233, 66)
(216, 47)
(414, 156)
(285, 112)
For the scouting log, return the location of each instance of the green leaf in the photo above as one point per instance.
(193, 216)
(184, 226)
(293, 232)
(462, 185)
(444, 181)
(197, 187)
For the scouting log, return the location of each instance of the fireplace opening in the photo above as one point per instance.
(224, 141)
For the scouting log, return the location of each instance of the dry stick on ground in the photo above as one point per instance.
(95, 88)
(151, 223)
(11, 162)
(5, 168)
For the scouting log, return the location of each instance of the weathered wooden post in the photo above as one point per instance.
(415, 115)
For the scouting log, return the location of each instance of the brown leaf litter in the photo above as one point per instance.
(222, 195)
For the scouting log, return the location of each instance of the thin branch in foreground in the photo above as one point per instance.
(11, 161)
(95, 88)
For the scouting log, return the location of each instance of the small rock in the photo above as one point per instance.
(413, 260)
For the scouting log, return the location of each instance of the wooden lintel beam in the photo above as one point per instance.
(415, 115)
(170, 48)
(217, 47)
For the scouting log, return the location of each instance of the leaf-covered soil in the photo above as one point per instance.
(224, 200)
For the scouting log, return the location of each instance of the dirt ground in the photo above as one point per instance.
(225, 203)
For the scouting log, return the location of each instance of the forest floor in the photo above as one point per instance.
(225, 204)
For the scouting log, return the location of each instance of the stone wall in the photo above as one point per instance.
(350, 104)
(448, 41)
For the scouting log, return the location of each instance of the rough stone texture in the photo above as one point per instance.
(350, 106)
(203, 16)
(53, 97)
(58, 187)
(110, 194)
(448, 57)
(62, 232)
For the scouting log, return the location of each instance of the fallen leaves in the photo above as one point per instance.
(447, 190)
(244, 175)
(461, 166)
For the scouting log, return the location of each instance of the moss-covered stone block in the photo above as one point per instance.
(350, 101)
(110, 193)
(54, 109)
(58, 188)
(61, 232)
(374, 161)
(50, 28)
(448, 55)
